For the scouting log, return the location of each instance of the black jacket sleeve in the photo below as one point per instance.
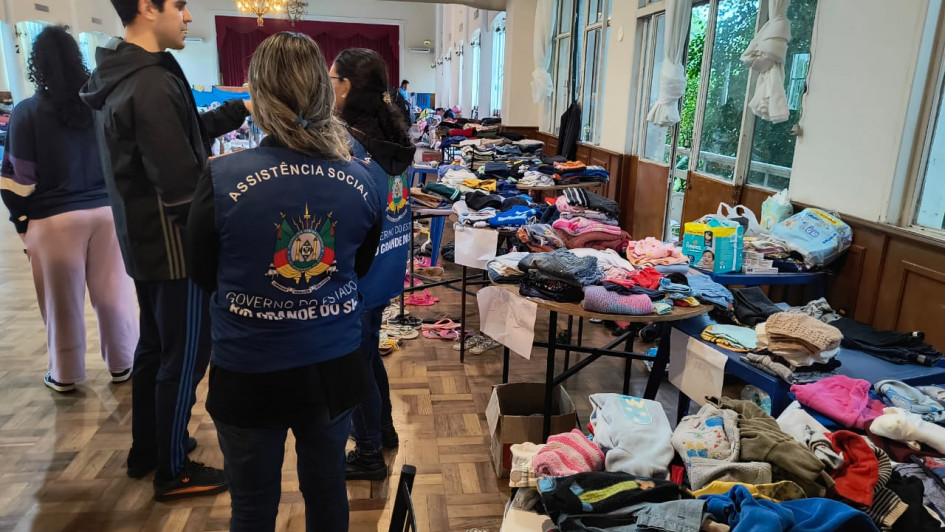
(18, 180)
(223, 119)
(201, 240)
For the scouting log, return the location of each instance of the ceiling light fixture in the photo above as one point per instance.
(295, 10)
(260, 8)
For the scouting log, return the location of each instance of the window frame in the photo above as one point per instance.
(743, 155)
(577, 67)
(475, 45)
(590, 127)
(933, 110)
(498, 64)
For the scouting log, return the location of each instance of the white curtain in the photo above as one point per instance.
(665, 112)
(542, 47)
(765, 54)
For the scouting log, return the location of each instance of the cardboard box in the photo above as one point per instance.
(515, 416)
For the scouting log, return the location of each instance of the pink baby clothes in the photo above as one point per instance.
(651, 251)
(568, 454)
(841, 399)
(580, 226)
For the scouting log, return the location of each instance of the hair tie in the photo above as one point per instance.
(386, 98)
(303, 122)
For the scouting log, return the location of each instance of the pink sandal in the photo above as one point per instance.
(444, 324)
(421, 300)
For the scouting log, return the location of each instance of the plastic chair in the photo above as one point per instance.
(402, 515)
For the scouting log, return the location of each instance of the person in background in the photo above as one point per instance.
(280, 235)
(51, 181)
(403, 90)
(379, 135)
(154, 147)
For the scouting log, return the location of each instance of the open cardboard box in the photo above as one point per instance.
(515, 415)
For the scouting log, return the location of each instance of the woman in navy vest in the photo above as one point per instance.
(379, 136)
(280, 235)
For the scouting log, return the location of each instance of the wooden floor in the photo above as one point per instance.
(62, 457)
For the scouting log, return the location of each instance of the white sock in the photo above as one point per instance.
(897, 424)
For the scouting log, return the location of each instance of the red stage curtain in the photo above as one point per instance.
(238, 37)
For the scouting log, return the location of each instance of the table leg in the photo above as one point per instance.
(567, 352)
(550, 374)
(682, 406)
(462, 320)
(505, 365)
(627, 365)
(659, 364)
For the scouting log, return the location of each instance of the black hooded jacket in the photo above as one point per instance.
(154, 146)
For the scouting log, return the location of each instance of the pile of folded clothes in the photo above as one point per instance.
(476, 156)
(447, 193)
(569, 172)
(488, 185)
(558, 275)
(507, 151)
(584, 233)
(480, 209)
(531, 147)
(539, 238)
(653, 252)
(579, 203)
(613, 263)
(504, 268)
(732, 337)
(495, 170)
(796, 347)
(534, 178)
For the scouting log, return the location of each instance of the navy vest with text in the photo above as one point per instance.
(385, 280)
(290, 226)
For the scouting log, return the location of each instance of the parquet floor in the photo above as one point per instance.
(62, 456)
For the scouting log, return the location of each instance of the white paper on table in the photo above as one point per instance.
(475, 247)
(695, 368)
(508, 318)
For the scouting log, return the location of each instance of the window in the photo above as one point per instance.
(26, 33)
(561, 63)
(498, 64)
(475, 49)
(928, 203)
(731, 145)
(89, 41)
(772, 147)
(596, 32)
(460, 51)
(593, 30)
(930, 208)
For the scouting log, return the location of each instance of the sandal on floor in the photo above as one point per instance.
(388, 345)
(485, 344)
(429, 271)
(433, 335)
(443, 324)
(471, 340)
(449, 334)
(421, 300)
(403, 332)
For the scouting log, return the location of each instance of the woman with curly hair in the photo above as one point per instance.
(378, 136)
(52, 183)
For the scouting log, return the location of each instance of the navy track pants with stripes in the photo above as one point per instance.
(171, 358)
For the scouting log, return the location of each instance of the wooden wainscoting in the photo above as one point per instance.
(892, 279)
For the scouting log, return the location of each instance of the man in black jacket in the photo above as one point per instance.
(154, 147)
